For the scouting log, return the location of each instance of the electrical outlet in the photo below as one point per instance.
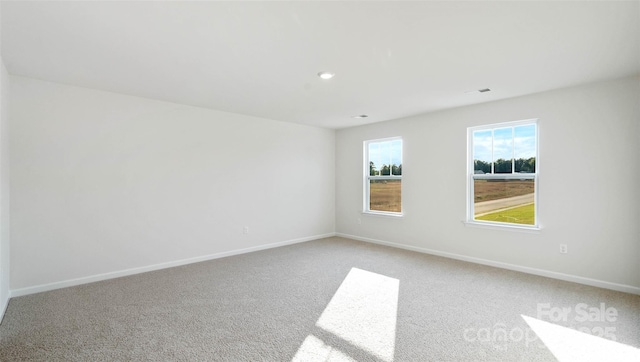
(563, 248)
(245, 230)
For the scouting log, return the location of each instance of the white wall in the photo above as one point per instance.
(4, 189)
(589, 197)
(105, 184)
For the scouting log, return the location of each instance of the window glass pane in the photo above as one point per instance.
(396, 158)
(385, 195)
(385, 153)
(375, 159)
(524, 143)
(502, 150)
(482, 142)
(385, 158)
(509, 201)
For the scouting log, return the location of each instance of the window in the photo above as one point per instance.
(383, 176)
(503, 174)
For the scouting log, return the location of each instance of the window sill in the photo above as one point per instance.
(384, 214)
(504, 227)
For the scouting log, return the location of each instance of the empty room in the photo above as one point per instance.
(320, 181)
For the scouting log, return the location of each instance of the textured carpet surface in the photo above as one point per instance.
(329, 299)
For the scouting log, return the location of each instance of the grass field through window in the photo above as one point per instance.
(487, 190)
(385, 195)
(504, 200)
(517, 215)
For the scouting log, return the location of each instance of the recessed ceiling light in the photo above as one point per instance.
(483, 90)
(361, 116)
(326, 75)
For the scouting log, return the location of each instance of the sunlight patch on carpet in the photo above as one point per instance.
(568, 344)
(363, 313)
(314, 349)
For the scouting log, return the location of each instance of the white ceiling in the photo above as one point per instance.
(391, 59)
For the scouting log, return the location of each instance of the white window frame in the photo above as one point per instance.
(367, 178)
(471, 176)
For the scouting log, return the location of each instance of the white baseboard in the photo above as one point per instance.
(122, 273)
(117, 274)
(3, 307)
(497, 264)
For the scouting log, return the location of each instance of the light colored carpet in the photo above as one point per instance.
(329, 299)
